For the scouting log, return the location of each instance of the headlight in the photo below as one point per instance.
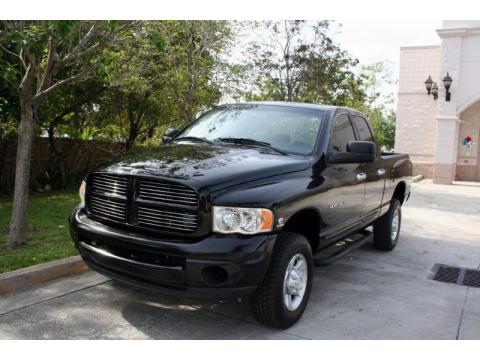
(229, 220)
(81, 192)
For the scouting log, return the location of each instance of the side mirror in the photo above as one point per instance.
(169, 135)
(357, 152)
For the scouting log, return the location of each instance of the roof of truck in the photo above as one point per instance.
(298, 104)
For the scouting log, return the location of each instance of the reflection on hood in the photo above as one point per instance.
(207, 163)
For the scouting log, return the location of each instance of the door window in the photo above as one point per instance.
(363, 129)
(342, 133)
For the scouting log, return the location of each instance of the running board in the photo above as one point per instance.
(342, 247)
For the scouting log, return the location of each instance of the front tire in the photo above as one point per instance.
(386, 230)
(281, 298)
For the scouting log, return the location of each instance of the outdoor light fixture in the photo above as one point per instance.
(432, 87)
(428, 84)
(447, 81)
(435, 91)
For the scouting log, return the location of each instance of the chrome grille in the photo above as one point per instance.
(107, 197)
(109, 209)
(107, 184)
(167, 192)
(167, 219)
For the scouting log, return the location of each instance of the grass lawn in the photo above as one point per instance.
(48, 236)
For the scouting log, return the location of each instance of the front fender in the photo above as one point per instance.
(284, 196)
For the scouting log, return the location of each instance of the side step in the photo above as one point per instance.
(342, 247)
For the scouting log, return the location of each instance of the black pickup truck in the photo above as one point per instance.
(243, 202)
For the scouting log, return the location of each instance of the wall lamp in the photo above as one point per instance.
(447, 81)
(432, 87)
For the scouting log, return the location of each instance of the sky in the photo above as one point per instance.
(371, 41)
(375, 40)
(380, 40)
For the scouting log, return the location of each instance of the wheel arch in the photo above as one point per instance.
(306, 222)
(400, 192)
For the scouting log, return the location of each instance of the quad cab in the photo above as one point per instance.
(244, 202)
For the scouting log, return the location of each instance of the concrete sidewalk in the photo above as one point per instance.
(368, 295)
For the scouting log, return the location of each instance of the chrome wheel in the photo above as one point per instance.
(295, 282)
(395, 225)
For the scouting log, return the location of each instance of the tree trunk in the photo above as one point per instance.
(132, 131)
(56, 167)
(18, 223)
(191, 77)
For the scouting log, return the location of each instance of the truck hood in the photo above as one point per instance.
(207, 165)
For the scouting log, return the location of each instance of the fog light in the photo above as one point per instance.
(214, 275)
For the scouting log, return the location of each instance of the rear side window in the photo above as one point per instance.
(342, 133)
(363, 129)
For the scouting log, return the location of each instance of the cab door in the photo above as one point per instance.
(342, 202)
(375, 172)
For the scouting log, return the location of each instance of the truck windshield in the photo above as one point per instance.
(288, 129)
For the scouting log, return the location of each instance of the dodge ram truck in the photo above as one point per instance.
(243, 203)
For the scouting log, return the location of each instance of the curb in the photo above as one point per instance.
(417, 178)
(38, 274)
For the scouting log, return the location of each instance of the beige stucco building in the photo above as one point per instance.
(442, 137)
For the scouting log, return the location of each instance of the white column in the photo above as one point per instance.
(446, 138)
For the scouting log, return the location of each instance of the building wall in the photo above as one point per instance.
(470, 71)
(432, 132)
(461, 59)
(468, 162)
(416, 112)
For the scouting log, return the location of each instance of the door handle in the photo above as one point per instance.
(381, 172)
(361, 176)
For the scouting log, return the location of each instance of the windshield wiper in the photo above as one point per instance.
(194, 138)
(246, 141)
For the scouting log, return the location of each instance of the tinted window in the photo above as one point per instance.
(290, 129)
(363, 129)
(342, 133)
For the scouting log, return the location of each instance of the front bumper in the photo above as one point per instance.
(217, 266)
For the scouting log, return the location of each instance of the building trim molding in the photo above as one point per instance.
(448, 118)
(419, 154)
(443, 33)
(413, 92)
(417, 47)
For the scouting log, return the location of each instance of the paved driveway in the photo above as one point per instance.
(367, 295)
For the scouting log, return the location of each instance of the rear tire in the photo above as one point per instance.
(386, 230)
(281, 298)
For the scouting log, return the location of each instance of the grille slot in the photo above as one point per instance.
(167, 193)
(109, 185)
(109, 209)
(108, 194)
(167, 219)
(107, 197)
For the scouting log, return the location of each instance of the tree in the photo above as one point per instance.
(48, 54)
(134, 76)
(166, 73)
(65, 108)
(8, 118)
(298, 61)
(377, 79)
(195, 63)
